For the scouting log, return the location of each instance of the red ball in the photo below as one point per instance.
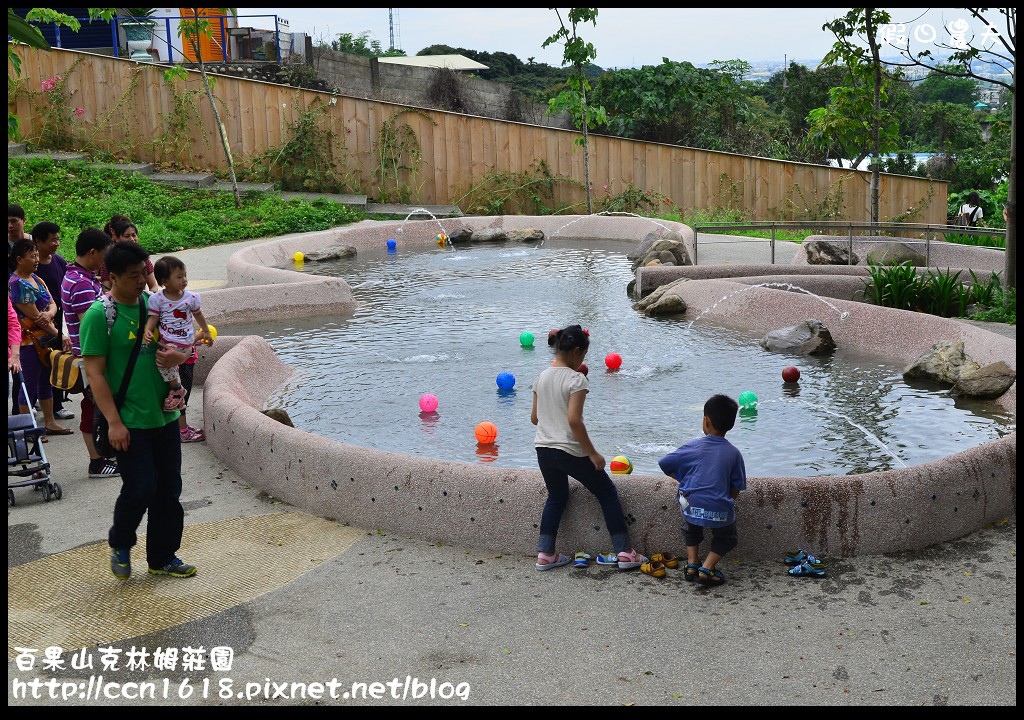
(583, 368)
(613, 361)
(790, 374)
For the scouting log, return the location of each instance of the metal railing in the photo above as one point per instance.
(836, 228)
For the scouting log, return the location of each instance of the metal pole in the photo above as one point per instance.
(928, 248)
(695, 246)
(113, 37)
(849, 228)
(773, 244)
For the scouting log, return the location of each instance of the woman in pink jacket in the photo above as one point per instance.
(13, 339)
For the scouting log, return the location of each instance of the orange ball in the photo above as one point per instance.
(486, 433)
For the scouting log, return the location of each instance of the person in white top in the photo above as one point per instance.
(971, 210)
(564, 450)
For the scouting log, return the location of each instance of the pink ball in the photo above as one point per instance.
(613, 361)
(790, 374)
(428, 402)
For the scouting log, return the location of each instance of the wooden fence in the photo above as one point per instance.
(396, 153)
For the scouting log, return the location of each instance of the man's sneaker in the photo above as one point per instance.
(121, 563)
(63, 414)
(175, 568)
(103, 468)
(190, 434)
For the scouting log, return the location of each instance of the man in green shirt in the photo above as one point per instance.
(145, 437)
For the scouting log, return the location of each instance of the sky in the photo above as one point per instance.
(623, 37)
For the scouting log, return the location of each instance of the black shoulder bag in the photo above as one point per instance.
(100, 426)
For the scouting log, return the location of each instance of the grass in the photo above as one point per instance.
(77, 196)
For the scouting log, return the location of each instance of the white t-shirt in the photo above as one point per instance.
(553, 388)
(967, 209)
(175, 317)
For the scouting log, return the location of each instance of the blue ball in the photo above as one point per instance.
(506, 381)
(392, 244)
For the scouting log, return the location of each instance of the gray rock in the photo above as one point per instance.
(987, 383)
(460, 236)
(808, 338)
(642, 249)
(331, 253)
(526, 235)
(663, 301)
(825, 252)
(667, 250)
(894, 253)
(279, 414)
(489, 235)
(943, 362)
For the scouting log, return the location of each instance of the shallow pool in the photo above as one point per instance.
(448, 322)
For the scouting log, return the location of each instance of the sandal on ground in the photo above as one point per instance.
(655, 569)
(582, 559)
(59, 431)
(801, 556)
(631, 560)
(608, 558)
(551, 560)
(806, 569)
(691, 571)
(667, 559)
(175, 399)
(710, 577)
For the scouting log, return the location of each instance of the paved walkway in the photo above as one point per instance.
(302, 600)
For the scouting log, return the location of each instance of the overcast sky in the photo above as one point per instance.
(623, 37)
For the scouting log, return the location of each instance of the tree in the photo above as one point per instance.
(941, 87)
(948, 128)
(574, 98)
(997, 46)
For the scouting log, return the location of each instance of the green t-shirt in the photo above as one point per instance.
(143, 403)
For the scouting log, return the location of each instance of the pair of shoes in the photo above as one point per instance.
(121, 563)
(103, 468)
(808, 569)
(551, 560)
(190, 434)
(692, 570)
(175, 568)
(175, 399)
(582, 559)
(609, 558)
(801, 556)
(655, 569)
(667, 559)
(631, 560)
(63, 414)
(713, 576)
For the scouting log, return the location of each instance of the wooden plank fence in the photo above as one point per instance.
(129, 109)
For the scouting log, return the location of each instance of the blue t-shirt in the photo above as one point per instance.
(708, 469)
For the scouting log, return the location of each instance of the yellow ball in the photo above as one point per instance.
(213, 332)
(621, 465)
(298, 257)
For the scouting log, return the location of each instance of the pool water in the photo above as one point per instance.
(449, 322)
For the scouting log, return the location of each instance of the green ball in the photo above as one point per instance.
(526, 338)
(748, 399)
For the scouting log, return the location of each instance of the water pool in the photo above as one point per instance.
(448, 323)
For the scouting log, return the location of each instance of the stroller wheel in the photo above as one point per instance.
(46, 492)
(58, 493)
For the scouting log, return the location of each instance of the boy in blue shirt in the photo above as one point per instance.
(711, 475)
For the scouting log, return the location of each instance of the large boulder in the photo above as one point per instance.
(825, 252)
(987, 383)
(645, 245)
(943, 362)
(808, 338)
(526, 235)
(332, 253)
(663, 301)
(894, 253)
(669, 249)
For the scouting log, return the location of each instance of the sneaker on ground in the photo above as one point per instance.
(175, 568)
(103, 468)
(64, 414)
(190, 434)
(121, 563)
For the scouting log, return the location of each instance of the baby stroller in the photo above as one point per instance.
(27, 465)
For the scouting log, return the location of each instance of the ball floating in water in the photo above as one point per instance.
(747, 400)
(620, 465)
(583, 369)
(298, 257)
(790, 374)
(526, 338)
(441, 239)
(486, 432)
(428, 402)
(613, 361)
(392, 244)
(506, 381)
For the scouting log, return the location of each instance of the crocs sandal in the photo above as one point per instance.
(710, 577)
(801, 556)
(806, 569)
(692, 570)
(553, 560)
(654, 569)
(582, 559)
(631, 560)
(667, 559)
(608, 558)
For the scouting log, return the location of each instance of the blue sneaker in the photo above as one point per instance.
(175, 568)
(121, 563)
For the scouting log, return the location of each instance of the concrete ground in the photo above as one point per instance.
(457, 626)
